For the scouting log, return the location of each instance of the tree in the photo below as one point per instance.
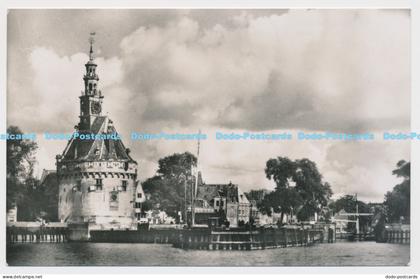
(20, 163)
(314, 193)
(397, 201)
(348, 203)
(282, 200)
(166, 190)
(299, 187)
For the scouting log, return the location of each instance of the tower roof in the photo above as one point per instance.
(100, 140)
(97, 149)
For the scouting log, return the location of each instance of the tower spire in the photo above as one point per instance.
(91, 41)
(91, 99)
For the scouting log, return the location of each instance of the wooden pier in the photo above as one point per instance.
(192, 238)
(20, 232)
(247, 239)
(397, 236)
(163, 236)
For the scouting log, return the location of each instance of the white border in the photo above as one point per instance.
(227, 4)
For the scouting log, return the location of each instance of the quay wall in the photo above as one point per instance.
(195, 238)
(208, 239)
(163, 235)
(248, 240)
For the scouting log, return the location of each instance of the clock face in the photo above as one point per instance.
(96, 108)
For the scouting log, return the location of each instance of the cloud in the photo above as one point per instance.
(315, 70)
(364, 167)
(265, 70)
(51, 104)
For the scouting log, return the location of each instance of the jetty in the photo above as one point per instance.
(248, 239)
(36, 232)
(220, 238)
(195, 238)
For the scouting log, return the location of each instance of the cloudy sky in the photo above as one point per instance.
(224, 70)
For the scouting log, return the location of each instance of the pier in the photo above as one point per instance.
(218, 239)
(397, 233)
(248, 239)
(198, 238)
(162, 236)
(35, 232)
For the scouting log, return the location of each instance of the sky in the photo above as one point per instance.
(272, 71)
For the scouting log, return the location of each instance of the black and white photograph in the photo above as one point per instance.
(254, 137)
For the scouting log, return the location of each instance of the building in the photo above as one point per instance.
(225, 201)
(159, 217)
(11, 215)
(97, 178)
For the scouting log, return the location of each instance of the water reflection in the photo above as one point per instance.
(108, 254)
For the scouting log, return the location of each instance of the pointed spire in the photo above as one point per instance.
(91, 41)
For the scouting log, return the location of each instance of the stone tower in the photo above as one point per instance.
(97, 178)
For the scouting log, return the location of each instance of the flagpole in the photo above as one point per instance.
(194, 189)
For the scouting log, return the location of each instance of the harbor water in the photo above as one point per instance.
(129, 254)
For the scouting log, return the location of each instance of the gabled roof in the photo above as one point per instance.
(229, 191)
(97, 149)
(206, 192)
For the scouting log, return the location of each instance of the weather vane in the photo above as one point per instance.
(92, 38)
(91, 41)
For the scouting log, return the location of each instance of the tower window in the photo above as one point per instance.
(99, 184)
(124, 185)
(139, 195)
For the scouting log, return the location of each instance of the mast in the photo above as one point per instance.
(357, 217)
(194, 189)
(185, 201)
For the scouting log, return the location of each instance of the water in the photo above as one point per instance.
(108, 254)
